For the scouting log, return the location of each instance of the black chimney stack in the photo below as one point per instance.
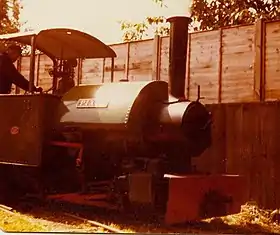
(179, 28)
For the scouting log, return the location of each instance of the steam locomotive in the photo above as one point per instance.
(122, 145)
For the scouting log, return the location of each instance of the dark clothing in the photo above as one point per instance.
(9, 75)
(64, 85)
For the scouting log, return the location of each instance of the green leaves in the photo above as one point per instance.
(207, 15)
(137, 31)
(213, 14)
(155, 25)
(9, 16)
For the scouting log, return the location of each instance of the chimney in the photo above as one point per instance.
(179, 28)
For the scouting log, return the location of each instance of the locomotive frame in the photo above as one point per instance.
(133, 152)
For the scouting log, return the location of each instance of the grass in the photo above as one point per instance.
(250, 220)
(19, 223)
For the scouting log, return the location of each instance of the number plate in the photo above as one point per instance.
(91, 103)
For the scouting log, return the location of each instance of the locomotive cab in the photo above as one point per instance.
(32, 117)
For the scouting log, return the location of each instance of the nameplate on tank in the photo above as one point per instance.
(91, 103)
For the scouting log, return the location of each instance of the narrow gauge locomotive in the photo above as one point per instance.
(122, 145)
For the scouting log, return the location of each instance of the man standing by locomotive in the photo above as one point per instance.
(9, 74)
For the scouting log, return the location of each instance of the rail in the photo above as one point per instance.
(10, 211)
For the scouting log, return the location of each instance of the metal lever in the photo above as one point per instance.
(198, 94)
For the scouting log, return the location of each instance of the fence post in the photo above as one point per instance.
(126, 66)
(259, 62)
(188, 83)
(220, 69)
(156, 58)
(103, 70)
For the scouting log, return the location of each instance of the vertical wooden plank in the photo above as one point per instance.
(259, 71)
(276, 150)
(263, 164)
(112, 69)
(126, 72)
(220, 69)
(189, 66)
(270, 162)
(251, 158)
(156, 58)
(234, 131)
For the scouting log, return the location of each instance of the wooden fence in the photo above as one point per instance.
(245, 141)
(235, 64)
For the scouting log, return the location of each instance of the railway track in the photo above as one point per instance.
(95, 219)
(71, 216)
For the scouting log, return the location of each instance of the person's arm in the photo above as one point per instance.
(18, 79)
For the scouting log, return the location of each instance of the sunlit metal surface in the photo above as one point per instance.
(124, 101)
(173, 113)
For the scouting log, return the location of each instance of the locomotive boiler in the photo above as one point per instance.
(129, 127)
(124, 145)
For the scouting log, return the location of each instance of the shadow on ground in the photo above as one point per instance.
(53, 212)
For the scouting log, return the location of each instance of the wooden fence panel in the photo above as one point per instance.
(245, 141)
(238, 64)
(140, 60)
(213, 159)
(272, 60)
(92, 71)
(225, 63)
(269, 156)
(44, 78)
(119, 61)
(203, 65)
(164, 58)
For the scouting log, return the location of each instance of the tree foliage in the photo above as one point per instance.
(151, 25)
(206, 15)
(134, 31)
(9, 19)
(9, 16)
(213, 14)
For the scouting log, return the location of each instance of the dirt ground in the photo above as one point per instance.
(17, 222)
(251, 220)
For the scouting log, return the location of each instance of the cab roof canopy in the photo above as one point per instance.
(63, 43)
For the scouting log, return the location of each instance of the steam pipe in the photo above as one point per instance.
(179, 28)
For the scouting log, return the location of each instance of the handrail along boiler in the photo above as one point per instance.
(127, 143)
